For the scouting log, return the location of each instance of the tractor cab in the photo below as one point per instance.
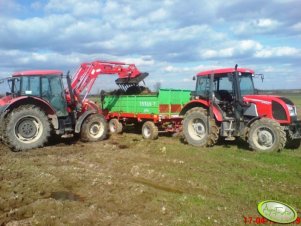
(44, 84)
(222, 91)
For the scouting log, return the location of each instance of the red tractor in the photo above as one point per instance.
(226, 104)
(38, 106)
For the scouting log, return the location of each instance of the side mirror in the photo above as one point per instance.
(193, 78)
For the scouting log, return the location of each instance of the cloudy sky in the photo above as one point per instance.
(170, 39)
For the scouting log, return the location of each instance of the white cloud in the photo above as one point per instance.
(240, 48)
(262, 25)
(284, 51)
(78, 8)
(296, 27)
(158, 15)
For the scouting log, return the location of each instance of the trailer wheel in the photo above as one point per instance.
(150, 130)
(195, 128)
(266, 135)
(115, 126)
(26, 127)
(94, 128)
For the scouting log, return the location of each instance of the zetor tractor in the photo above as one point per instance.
(38, 106)
(225, 104)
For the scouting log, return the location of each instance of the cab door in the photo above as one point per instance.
(52, 90)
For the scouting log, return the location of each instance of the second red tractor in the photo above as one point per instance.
(226, 105)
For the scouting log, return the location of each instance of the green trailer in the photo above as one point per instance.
(155, 112)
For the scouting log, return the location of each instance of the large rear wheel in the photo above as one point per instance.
(94, 128)
(26, 127)
(195, 128)
(266, 135)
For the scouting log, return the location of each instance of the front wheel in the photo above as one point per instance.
(266, 135)
(94, 128)
(195, 128)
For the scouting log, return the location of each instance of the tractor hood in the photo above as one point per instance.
(279, 108)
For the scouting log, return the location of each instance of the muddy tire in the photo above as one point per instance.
(115, 126)
(94, 128)
(149, 131)
(195, 128)
(266, 135)
(26, 127)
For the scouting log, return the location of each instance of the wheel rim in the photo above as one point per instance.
(96, 130)
(28, 129)
(264, 138)
(197, 129)
(146, 132)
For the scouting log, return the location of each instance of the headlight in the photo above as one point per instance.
(292, 110)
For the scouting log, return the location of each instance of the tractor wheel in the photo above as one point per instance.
(94, 128)
(195, 128)
(115, 126)
(26, 127)
(266, 135)
(150, 130)
(292, 143)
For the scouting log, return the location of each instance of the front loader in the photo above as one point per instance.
(38, 105)
(226, 105)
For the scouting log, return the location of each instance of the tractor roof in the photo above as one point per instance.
(225, 71)
(37, 73)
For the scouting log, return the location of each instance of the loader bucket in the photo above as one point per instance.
(131, 81)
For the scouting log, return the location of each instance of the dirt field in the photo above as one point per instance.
(126, 180)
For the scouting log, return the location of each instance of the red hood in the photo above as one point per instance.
(260, 98)
(266, 99)
(269, 105)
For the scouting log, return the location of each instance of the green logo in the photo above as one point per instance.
(278, 212)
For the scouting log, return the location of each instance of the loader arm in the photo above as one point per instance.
(84, 78)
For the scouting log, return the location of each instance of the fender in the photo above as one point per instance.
(43, 104)
(82, 118)
(204, 104)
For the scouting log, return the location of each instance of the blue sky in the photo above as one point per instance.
(170, 39)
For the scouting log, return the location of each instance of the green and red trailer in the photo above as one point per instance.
(152, 113)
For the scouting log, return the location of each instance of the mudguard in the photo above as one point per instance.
(82, 118)
(204, 104)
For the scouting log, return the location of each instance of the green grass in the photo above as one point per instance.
(226, 184)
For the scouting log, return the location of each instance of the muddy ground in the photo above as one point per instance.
(83, 183)
(126, 180)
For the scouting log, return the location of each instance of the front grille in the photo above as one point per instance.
(278, 111)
